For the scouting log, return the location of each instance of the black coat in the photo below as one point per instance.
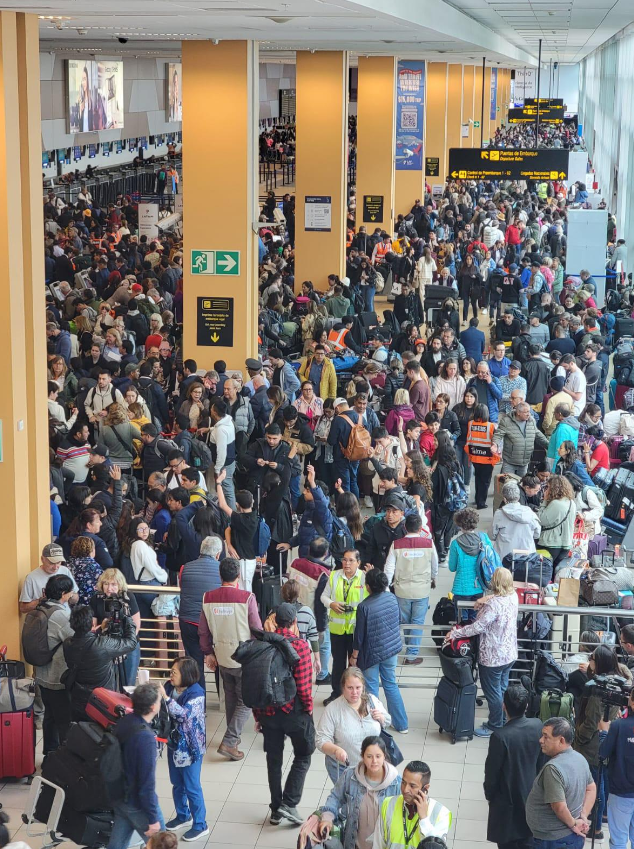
(513, 761)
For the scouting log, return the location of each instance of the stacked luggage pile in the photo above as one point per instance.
(17, 725)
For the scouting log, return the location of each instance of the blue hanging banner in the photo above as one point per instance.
(494, 94)
(410, 114)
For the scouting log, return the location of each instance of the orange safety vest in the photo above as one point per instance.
(381, 250)
(479, 442)
(336, 338)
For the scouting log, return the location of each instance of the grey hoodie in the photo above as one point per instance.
(573, 422)
(469, 542)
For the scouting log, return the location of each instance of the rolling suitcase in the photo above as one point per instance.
(624, 326)
(90, 830)
(17, 722)
(106, 707)
(457, 670)
(82, 782)
(454, 709)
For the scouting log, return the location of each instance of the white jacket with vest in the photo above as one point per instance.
(412, 564)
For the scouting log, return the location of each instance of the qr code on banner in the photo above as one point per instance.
(409, 119)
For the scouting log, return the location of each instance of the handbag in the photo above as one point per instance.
(598, 590)
(394, 754)
(17, 694)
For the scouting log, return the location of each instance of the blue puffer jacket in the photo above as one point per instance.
(316, 521)
(377, 633)
(494, 394)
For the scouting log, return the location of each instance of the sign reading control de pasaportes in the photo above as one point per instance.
(475, 163)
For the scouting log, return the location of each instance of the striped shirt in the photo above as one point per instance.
(307, 626)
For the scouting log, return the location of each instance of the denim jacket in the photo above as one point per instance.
(188, 709)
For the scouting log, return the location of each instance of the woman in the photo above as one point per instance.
(393, 382)
(468, 368)
(448, 419)
(133, 396)
(604, 661)
(118, 434)
(84, 567)
(185, 701)
(347, 509)
(496, 625)
(309, 404)
(424, 274)
(112, 584)
(470, 285)
(557, 516)
(278, 402)
(463, 558)
(357, 797)
(596, 454)
(402, 409)
(446, 466)
(418, 483)
(465, 411)
(111, 350)
(194, 407)
(347, 721)
(59, 372)
(144, 565)
(323, 457)
(568, 462)
(83, 326)
(479, 448)
(313, 322)
(450, 383)
(156, 323)
(377, 643)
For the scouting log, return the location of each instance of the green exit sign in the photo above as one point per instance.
(476, 124)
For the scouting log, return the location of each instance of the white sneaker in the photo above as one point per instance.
(367, 501)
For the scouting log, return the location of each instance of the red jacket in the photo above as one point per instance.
(512, 235)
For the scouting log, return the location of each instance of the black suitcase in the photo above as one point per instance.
(624, 326)
(86, 829)
(454, 709)
(271, 596)
(436, 295)
(458, 670)
(81, 782)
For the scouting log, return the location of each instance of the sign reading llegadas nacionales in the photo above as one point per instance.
(475, 163)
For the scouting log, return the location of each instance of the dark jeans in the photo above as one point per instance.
(495, 681)
(465, 306)
(56, 717)
(189, 636)
(341, 469)
(572, 841)
(525, 843)
(465, 463)
(341, 649)
(442, 524)
(298, 726)
(482, 473)
(602, 796)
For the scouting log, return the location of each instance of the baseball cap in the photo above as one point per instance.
(516, 364)
(285, 614)
(339, 401)
(137, 287)
(54, 553)
(513, 267)
(394, 501)
(100, 449)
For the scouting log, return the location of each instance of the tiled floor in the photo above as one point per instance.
(237, 794)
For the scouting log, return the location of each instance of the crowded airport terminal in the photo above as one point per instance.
(317, 424)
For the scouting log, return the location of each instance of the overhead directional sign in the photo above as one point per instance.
(475, 163)
(215, 322)
(550, 112)
(223, 263)
(372, 208)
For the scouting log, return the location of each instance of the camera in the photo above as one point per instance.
(115, 609)
(611, 689)
(348, 608)
(122, 40)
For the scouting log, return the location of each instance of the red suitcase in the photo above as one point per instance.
(17, 744)
(107, 706)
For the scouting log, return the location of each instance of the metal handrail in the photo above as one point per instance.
(553, 608)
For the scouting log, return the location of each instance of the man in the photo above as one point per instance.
(567, 429)
(260, 405)
(627, 644)
(61, 339)
(406, 820)
(222, 441)
(537, 375)
(284, 375)
(376, 542)
(512, 383)
(138, 810)
(507, 327)
(253, 367)
(55, 697)
(321, 373)
(271, 452)
(557, 397)
(299, 437)
(196, 578)
(338, 438)
(513, 239)
(74, 452)
(487, 388)
(521, 345)
(451, 348)
(239, 409)
(344, 592)
(499, 365)
(511, 765)
(52, 563)
(561, 341)
(227, 618)
(592, 371)
(433, 357)
(101, 396)
(338, 305)
(515, 440)
(539, 332)
(617, 749)
(155, 451)
(473, 340)
(412, 566)
(559, 805)
(575, 385)
(316, 520)
(91, 655)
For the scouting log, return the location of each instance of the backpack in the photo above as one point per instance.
(456, 496)
(359, 445)
(341, 539)
(35, 636)
(261, 538)
(613, 300)
(445, 615)
(169, 444)
(522, 349)
(548, 675)
(220, 520)
(556, 703)
(488, 561)
(267, 663)
(600, 494)
(200, 455)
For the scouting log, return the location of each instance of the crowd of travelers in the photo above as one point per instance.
(337, 464)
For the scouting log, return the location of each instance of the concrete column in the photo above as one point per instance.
(376, 112)
(321, 171)
(23, 410)
(220, 94)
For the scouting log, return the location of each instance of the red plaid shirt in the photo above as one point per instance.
(302, 673)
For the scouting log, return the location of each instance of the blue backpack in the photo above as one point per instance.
(488, 561)
(456, 497)
(341, 539)
(261, 538)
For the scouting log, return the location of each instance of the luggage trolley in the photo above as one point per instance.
(48, 833)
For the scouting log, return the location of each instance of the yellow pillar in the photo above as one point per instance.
(436, 115)
(321, 172)
(220, 309)
(454, 111)
(468, 96)
(376, 111)
(477, 105)
(23, 411)
(487, 105)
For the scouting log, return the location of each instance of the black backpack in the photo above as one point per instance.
(200, 455)
(35, 636)
(522, 349)
(548, 674)
(444, 614)
(341, 539)
(267, 664)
